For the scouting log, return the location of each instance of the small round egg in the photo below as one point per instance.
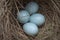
(37, 18)
(30, 29)
(23, 16)
(32, 7)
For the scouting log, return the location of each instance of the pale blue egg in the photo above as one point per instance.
(23, 16)
(30, 29)
(37, 18)
(32, 7)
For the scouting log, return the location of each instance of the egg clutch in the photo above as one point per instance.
(30, 18)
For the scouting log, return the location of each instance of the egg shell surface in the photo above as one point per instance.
(32, 7)
(30, 29)
(37, 18)
(23, 16)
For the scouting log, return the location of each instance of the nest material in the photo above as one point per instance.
(11, 29)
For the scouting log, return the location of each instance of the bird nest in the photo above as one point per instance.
(11, 29)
